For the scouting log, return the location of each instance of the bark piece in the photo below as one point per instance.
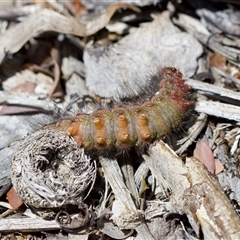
(195, 192)
(227, 20)
(50, 170)
(93, 4)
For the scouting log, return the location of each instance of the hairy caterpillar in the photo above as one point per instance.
(55, 172)
(135, 125)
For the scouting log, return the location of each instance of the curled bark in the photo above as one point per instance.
(50, 170)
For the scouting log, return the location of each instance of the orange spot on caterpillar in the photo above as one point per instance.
(100, 138)
(123, 136)
(122, 121)
(142, 119)
(122, 128)
(72, 130)
(145, 133)
(78, 139)
(98, 123)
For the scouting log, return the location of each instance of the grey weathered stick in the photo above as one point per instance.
(113, 174)
(193, 133)
(27, 225)
(195, 192)
(218, 109)
(130, 217)
(27, 100)
(213, 89)
(226, 75)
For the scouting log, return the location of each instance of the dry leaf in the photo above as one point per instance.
(204, 153)
(237, 75)
(14, 200)
(217, 60)
(18, 109)
(27, 87)
(218, 166)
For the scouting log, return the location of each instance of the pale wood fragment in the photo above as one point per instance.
(214, 108)
(27, 100)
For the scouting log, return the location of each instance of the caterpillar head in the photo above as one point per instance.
(174, 86)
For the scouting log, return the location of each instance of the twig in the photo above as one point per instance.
(213, 89)
(27, 225)
(218, 109)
